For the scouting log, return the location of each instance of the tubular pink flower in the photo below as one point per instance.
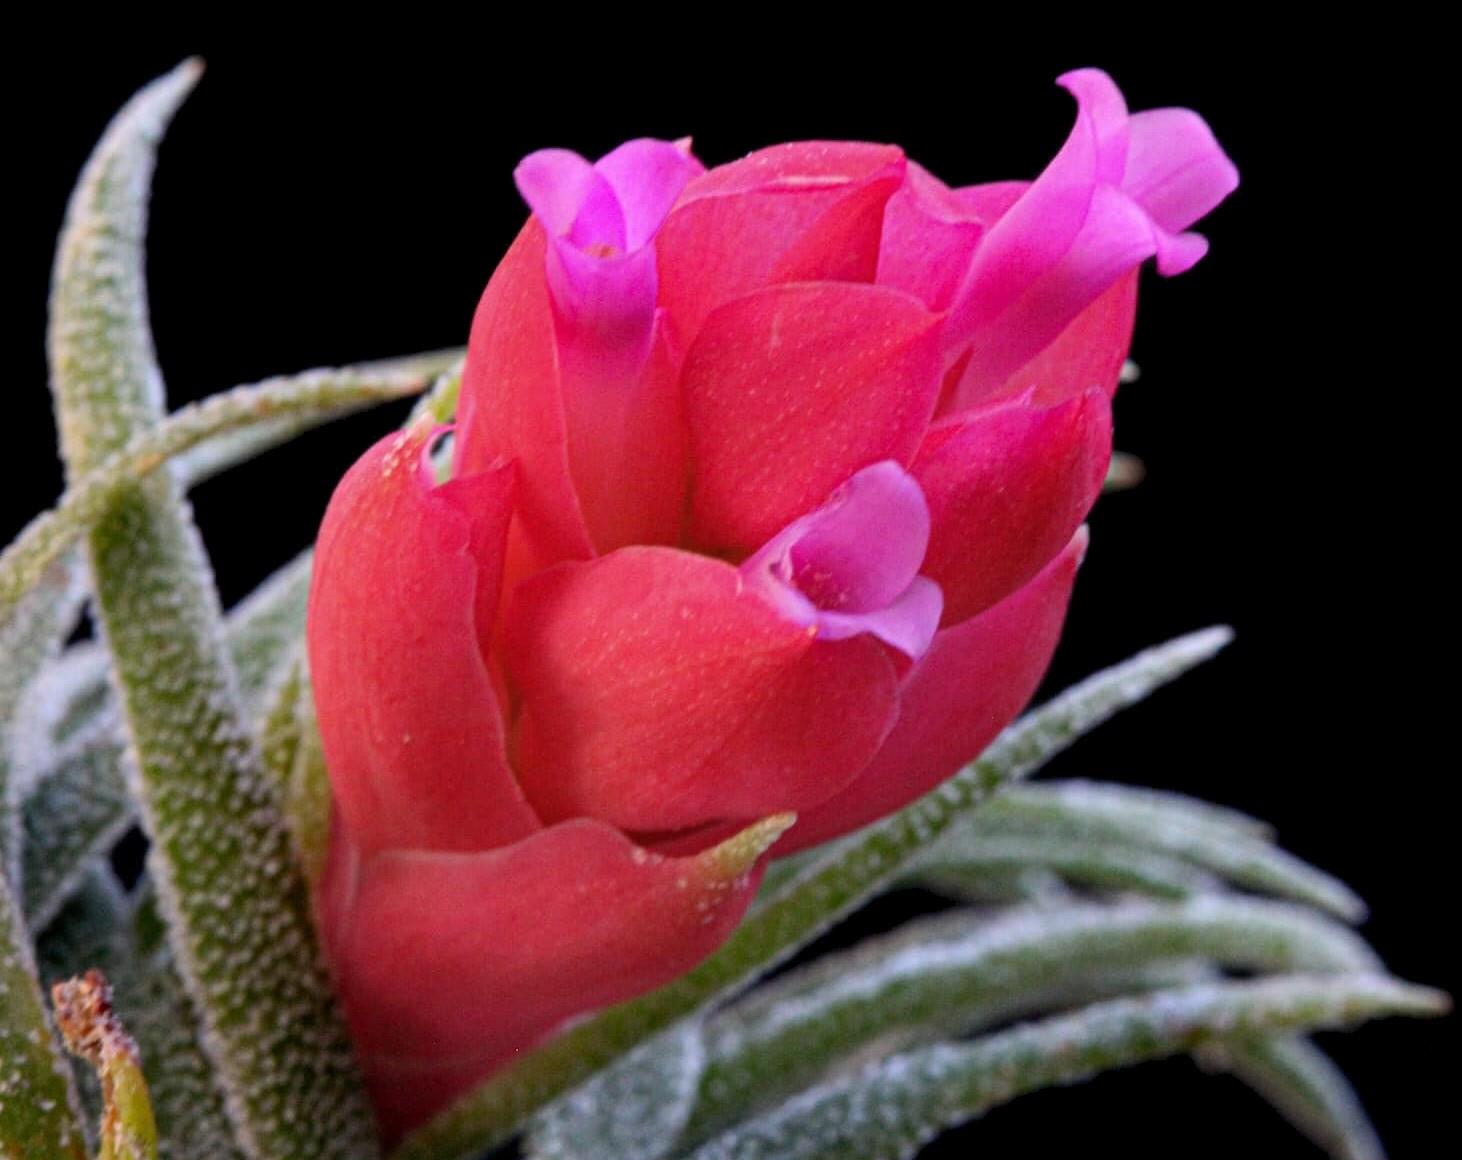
(1122, 189)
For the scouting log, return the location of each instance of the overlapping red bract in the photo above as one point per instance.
(767, 495)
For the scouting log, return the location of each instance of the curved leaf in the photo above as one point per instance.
(75, 815)
(37, 1098)
(221, 857)
(266, 413)
(632, 1111)
(294, 759)
(30, 634)
(1099, 865)
(888, 1111)
(950, 975)
(1093, 814)
(1305, 1087)
(78, 803)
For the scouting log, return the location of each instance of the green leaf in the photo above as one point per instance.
(1099, 865)
(78, 803)
(888, 1111)
(228, 449)
(956, 973)
(30, 635)
(265, 629)
(294, 759)
(441, 401)
(1305, 1087)
(826, 890)
(99, 927)
(1092, 816)
(221, 857)
(634, 1110)
(265, 414)
(37, 1100)
(75, 815)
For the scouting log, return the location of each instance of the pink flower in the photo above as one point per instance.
(767, 496)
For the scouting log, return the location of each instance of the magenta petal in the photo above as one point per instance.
(604, 308)
(1177, 253)
(851, 567)
(908, 623)
(1116, 236)
(1175, 168)
(563, 191)
(1120, 190)
(1102, 116)
(647, 176)
(601, 221)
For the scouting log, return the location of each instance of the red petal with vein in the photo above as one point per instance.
(448, 965)
(968, 687)
(807, 211)
(405, 580)
(660, 695)
(512, 404)
(1007, 486)
(790, 390)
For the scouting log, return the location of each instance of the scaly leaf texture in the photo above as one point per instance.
(1303, 1084)
(73, 818)
(890, 1110)
(1086, 814)
(221, 857)
(950, 974)
(294, 758)
(272, 411)
(826, 890)
(605, 1119)
(78, 804)
(100, 927)
(1106, 866)
(228, 449)
(30, 635)
(38, 1107)
(633, 1111)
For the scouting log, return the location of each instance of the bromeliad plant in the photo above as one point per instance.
(708, 620)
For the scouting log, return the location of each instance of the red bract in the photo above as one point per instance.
(766, 497)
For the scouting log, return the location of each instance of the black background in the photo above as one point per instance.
(330, 207)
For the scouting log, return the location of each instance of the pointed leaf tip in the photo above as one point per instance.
(738, 854)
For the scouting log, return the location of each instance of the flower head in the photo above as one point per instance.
(766, 497)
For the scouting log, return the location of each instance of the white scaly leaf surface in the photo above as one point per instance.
(235, 902)
(38, 1105)
(943, 976)
(72, 753)
(890, 1110)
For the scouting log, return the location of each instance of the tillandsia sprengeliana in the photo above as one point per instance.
(696, 605)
